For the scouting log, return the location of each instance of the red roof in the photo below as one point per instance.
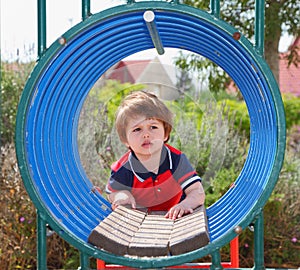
(289, 76)
(128, 71)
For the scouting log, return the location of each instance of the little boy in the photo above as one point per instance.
(151, 174)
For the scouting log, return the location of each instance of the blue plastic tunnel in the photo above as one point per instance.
(47, 122)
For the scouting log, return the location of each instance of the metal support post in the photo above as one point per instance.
(42, 33)
(41, 242)
(86, 9)
(259, 30)
(84, 261)
(215, 8)
(216, 261)
(259, 243)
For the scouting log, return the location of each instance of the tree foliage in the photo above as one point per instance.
(280, 16)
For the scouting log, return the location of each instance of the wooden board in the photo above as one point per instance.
(132, 232)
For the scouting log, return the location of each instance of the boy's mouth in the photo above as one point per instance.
(146, 143)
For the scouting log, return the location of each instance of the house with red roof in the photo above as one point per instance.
(127, 71)
(156, 77)
(289, 75)
(158, 80)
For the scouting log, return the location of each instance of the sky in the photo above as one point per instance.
(19, 25)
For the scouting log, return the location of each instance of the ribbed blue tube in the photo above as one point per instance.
(54, 95)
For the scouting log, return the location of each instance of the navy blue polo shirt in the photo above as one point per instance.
(158, 191)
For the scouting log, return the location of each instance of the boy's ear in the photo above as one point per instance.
(126, 144)
(167, 137)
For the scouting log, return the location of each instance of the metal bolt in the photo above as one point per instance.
(236, 35)
(238, 229)
(62, 41)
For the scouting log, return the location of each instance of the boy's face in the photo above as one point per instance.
(145, 136)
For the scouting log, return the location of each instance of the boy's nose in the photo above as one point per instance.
(146, 135)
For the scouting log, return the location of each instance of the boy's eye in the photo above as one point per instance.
(154, 127)
(136, 130)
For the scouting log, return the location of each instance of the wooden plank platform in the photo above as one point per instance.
(138, 233)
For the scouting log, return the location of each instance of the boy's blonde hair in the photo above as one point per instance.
(141, 103)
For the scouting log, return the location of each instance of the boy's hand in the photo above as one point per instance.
(122, 197)
(178, 210)
(195, 197)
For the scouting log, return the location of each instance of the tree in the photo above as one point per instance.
(184, 80)
(280, 16)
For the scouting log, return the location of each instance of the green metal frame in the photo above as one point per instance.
(257, 217)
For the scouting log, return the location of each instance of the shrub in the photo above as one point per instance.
(18, 224)
(17, 217)
(292, 109)
(238, 111)
(13, 77)
(282, 213)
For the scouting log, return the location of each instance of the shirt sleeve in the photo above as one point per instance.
(184, 172)
(121, 179)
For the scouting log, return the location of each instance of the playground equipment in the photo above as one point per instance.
(47, 120)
